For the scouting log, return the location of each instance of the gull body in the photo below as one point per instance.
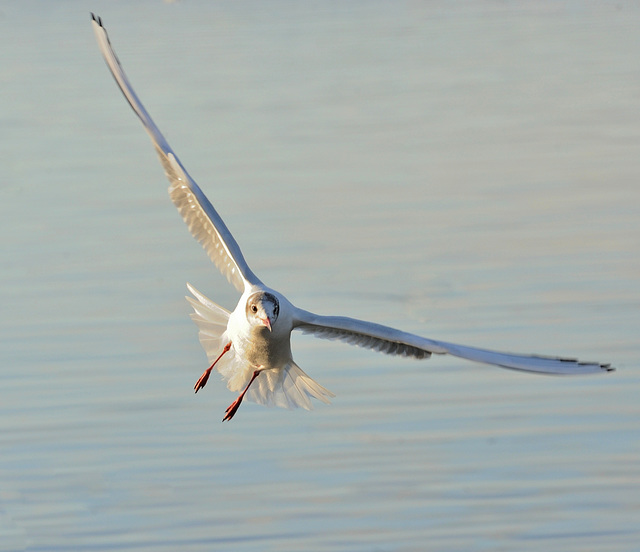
(251, 346)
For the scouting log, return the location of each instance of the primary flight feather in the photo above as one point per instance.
(251, 346)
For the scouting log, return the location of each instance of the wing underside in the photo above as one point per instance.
(391, 341)
(203, 221)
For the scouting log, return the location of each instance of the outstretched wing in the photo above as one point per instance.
(396, 342)
(202, 219)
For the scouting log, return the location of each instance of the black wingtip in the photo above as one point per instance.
(604, 367)
(96, 18)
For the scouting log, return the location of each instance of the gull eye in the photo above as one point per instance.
(254, 308)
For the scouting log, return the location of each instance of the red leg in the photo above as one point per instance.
(233, 407)
(205, 376)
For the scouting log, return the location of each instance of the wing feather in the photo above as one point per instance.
(395, 342)
(203, 221)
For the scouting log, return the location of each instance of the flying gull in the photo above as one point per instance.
(251, 346)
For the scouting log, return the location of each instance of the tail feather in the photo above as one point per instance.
(212, 320)
(287, 388)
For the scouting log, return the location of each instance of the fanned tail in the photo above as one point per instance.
(211, 320)
(288, 388)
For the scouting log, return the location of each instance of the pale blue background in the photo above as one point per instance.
(466, 171)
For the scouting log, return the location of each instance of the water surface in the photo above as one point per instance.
(466, 172)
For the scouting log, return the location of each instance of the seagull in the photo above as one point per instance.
(251, 346)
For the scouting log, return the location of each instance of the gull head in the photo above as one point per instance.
(262, 309)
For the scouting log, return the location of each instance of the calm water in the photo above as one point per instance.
(466, 172)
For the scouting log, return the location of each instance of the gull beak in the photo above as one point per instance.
(266, 322)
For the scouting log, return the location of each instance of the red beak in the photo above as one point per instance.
(266, 322)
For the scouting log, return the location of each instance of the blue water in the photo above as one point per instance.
(468, 172)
